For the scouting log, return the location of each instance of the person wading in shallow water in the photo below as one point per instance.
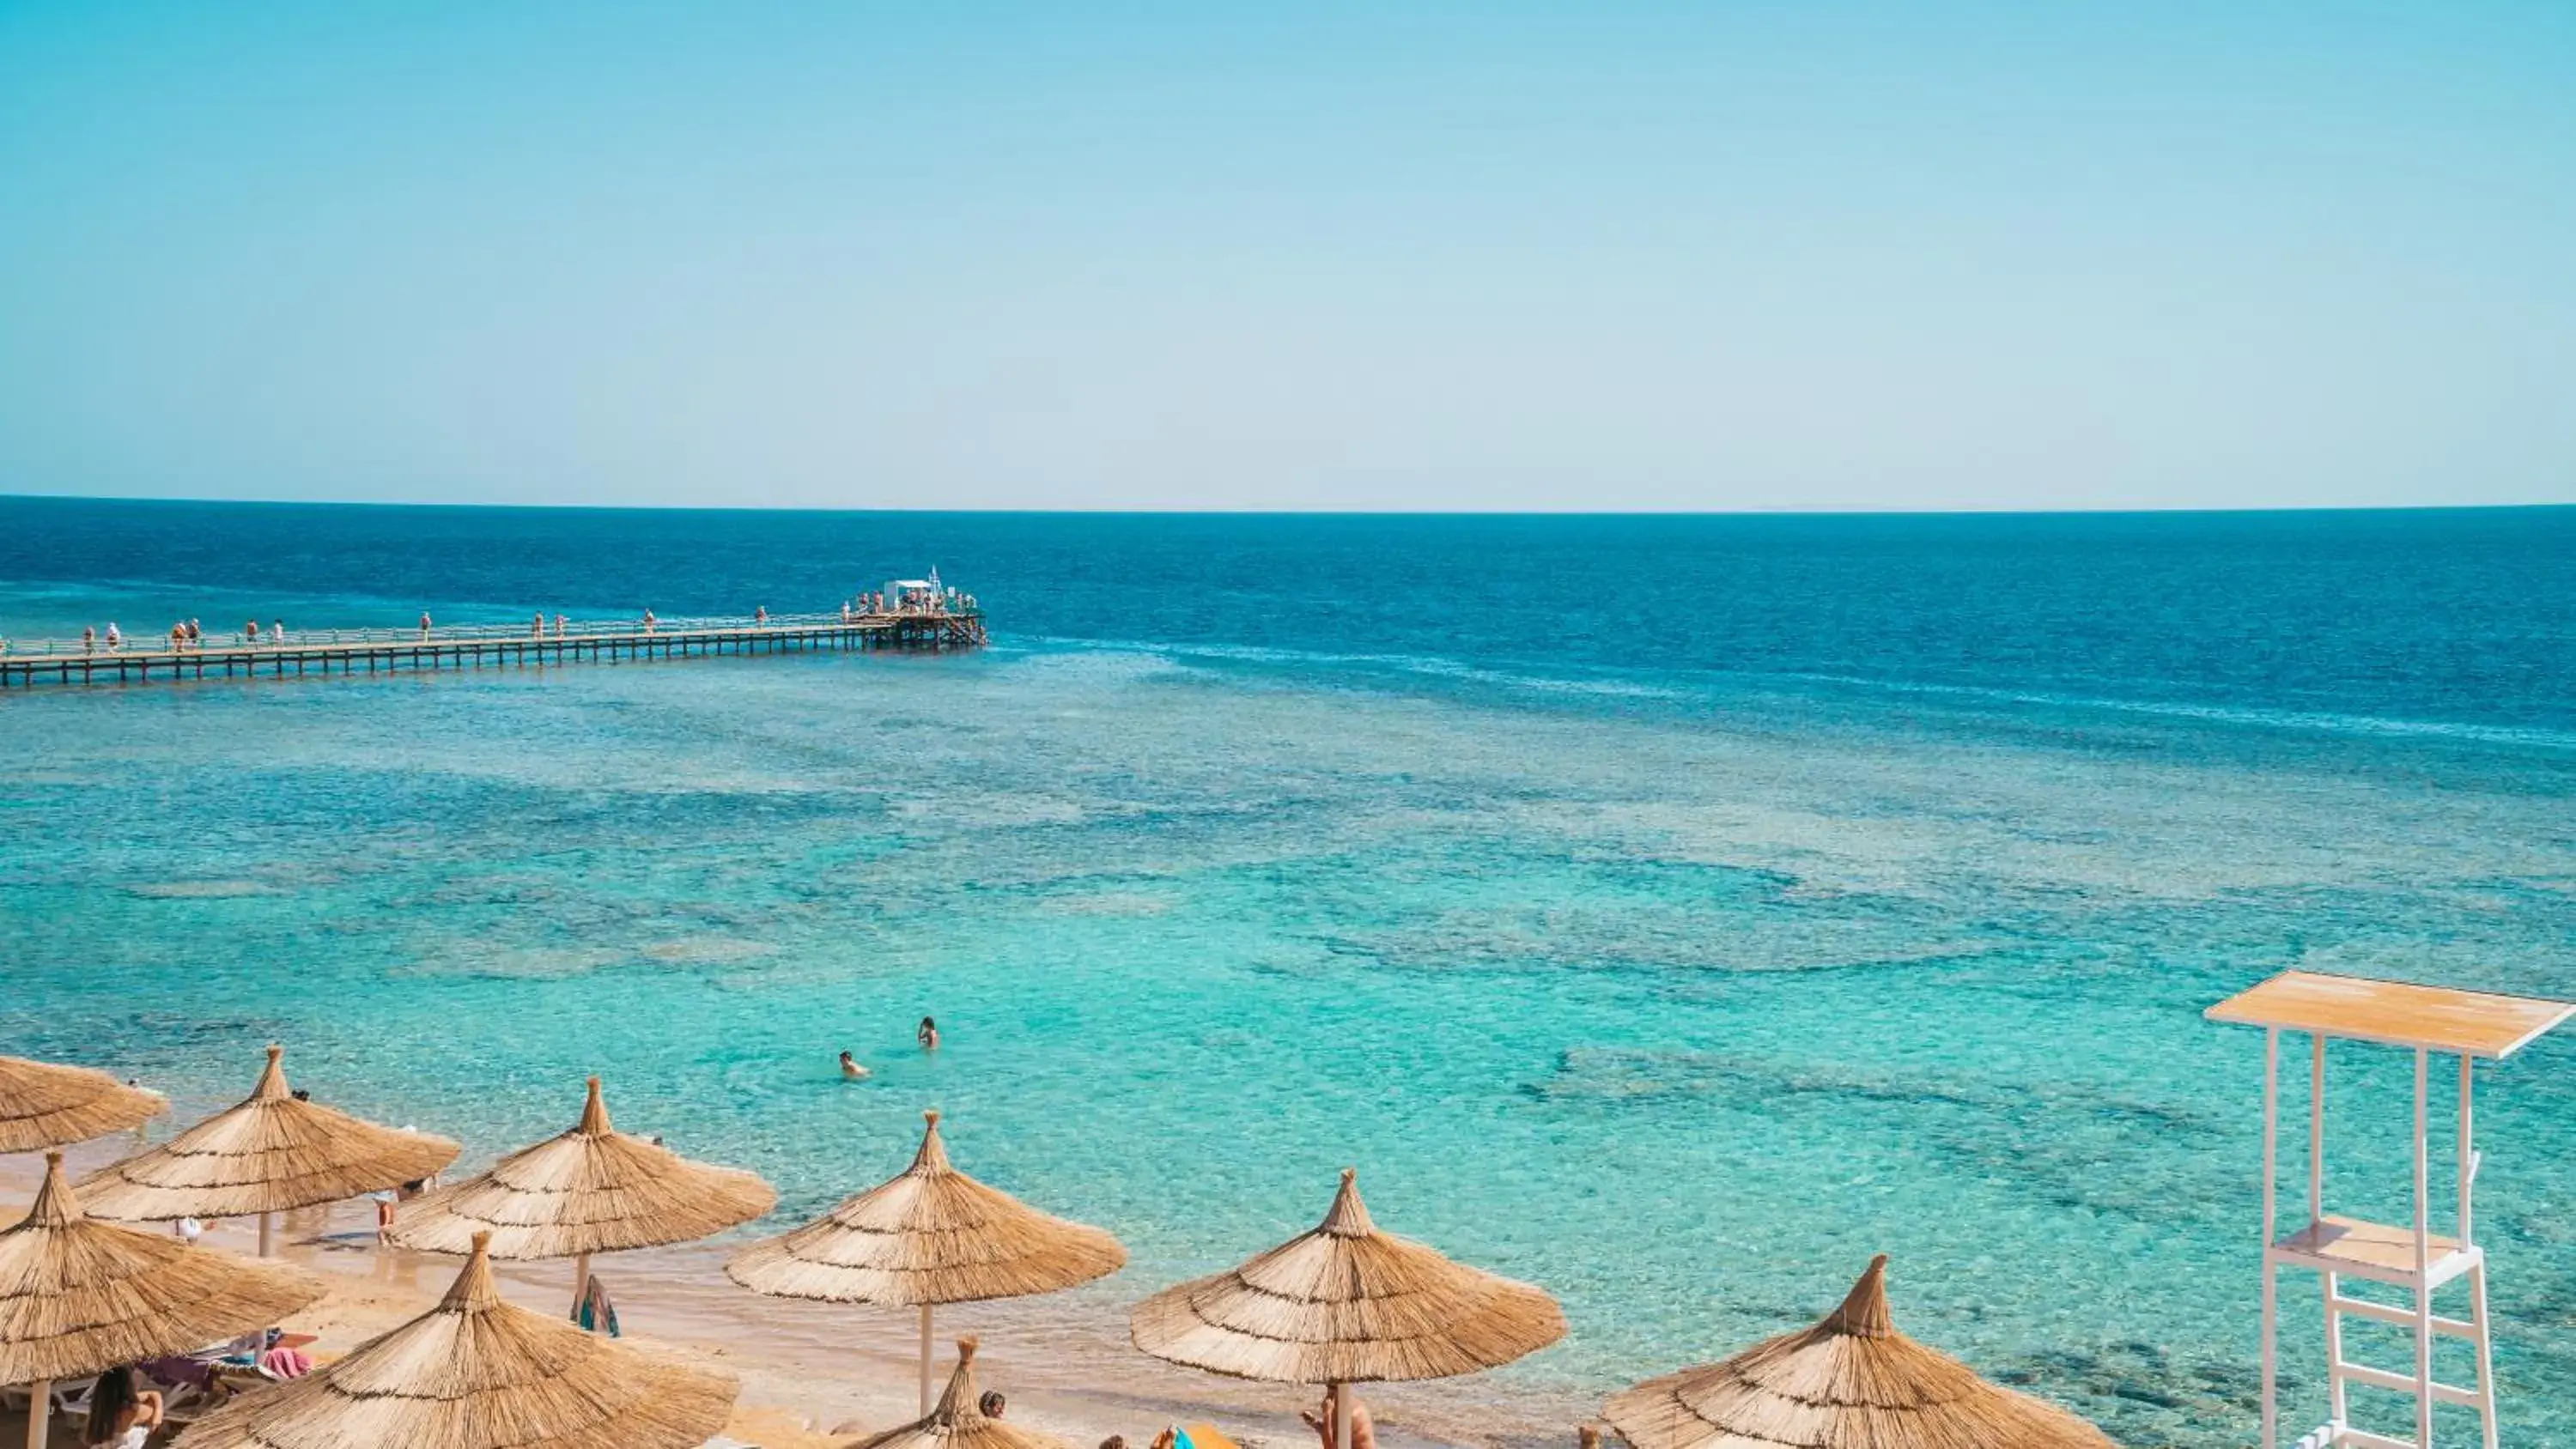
(927, 1034)
(851, 1070)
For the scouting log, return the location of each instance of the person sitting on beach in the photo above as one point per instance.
(992, 1404)
(1323, 1421)
(851, 1070)
(927, 1034)
(122, 1415)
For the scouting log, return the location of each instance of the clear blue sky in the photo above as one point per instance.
(1702, 256)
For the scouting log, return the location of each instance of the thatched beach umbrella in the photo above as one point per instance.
(959, 1421)
(478, 1373)
(79, 1296)
(270, 1154)
(1850, 1382)
(930, 1236)
(43, 1105)
(1344, 1304)
(590, 1190)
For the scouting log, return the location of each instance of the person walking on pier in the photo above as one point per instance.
(424, 626)
(559, 623)
(537, 627)
(250, 633)
(277, 632)
(115, 639)
(89, 638)
(649, 621)
(760, 615)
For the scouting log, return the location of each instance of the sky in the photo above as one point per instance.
(1710, 256)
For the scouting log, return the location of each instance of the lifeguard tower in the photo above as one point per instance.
(2426, 1020)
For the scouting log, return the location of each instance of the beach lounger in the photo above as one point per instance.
(70, 1400)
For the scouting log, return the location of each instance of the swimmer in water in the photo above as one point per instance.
(851, 1070)
(927, 1034)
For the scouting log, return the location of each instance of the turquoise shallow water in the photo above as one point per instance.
(1677, 979)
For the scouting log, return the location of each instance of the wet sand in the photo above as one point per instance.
(816, 1375)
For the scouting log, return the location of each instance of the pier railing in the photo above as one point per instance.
(161, 644)
(475, 646)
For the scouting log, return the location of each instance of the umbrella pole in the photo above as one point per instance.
(1341, 1416)
(925, 1360)
(580, 1284)
(263, 1234)
(40, 1409)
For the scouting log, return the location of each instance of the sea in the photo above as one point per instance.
(1673, 912)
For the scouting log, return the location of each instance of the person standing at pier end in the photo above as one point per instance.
(424, 626)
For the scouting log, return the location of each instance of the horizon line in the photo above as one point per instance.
(150, 500)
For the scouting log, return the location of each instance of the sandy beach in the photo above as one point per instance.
(815, 1375)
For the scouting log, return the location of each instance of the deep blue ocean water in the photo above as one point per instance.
(1670, 911)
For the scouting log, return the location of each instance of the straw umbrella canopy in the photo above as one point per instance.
(932, 1235)
(959, 1422)
(43, 1105)
(1344, 1303)
(270, 1154)
(1850, 1382)
(478, 1373)
(590, 1190)
(79, 1296)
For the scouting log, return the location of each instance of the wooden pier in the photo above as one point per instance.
(475, 646)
